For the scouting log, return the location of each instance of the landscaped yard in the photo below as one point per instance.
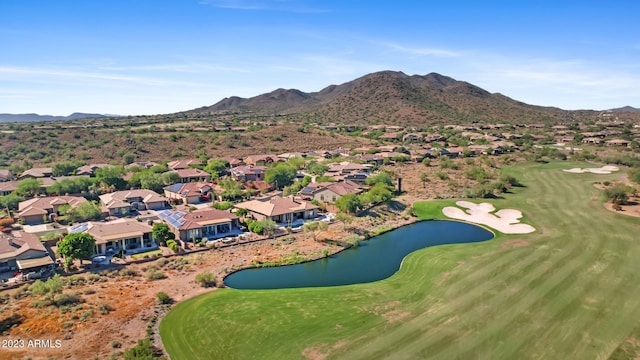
(569, 290)
(147, 254)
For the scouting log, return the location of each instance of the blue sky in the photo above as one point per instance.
(153, 57)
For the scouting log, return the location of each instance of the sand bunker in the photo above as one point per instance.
(607, 169)
(505, 220)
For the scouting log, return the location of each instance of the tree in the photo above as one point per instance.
(618, 194)
(297, 162)
(425, 179)
(29, 187)
(151, 181)
(161, 232)
(218, 167)
(64, 168)
(317, 168)
(315, 226)
(232, 189)
(84, 212)
(110, 177)
(76, 246)
(379, 193)
(344, 218)
(280, 175)
(382, 177)
(11, 201)
(349, 203)
(269, 227)
(128, 158)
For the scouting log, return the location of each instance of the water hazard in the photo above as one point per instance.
(374, 259)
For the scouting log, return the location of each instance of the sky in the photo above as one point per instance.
(147, 57)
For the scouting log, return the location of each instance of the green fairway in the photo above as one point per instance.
(570, 290)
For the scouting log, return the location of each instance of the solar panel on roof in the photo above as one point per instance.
(78, 228)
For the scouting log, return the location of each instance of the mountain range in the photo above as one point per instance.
(385, 97)
(36, 117)
(392, 97)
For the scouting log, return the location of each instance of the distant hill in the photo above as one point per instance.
(625, 109)
(36, 117)
(392, 97)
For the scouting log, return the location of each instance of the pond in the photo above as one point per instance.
(374, 259)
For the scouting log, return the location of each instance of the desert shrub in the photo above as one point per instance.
(225, 205)
(143, 350)
(128, 272)
(155, 275)
(173, 245)
(87, 314)
(105, 308)
(206, 279)
(442, 175)
(164, 298)
(67, 299)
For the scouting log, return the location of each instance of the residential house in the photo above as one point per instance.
(347, 168)
(8, 187)
(113, 237)
(35, 173)
(5, 175)
(389, 136)
(618, 142)
(234, 162)
(192, 174)
(412, 137)
(144, 164)
(188, 193)
(204, 223)
(121, 203)
(23, 251)
(593, 140)
(248, 173)
(40, 210)
(329, 191)
(261, 160)
(89, 170)
(183, 164)
(281, 210)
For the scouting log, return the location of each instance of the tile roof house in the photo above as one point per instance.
(144, 164)
(192, 174)
(203, 223)
(261, 159)
(279, 209)
(329, 191)
(22, 251)
(248, 173)
(188, 193)
(123, 202)
(115, 236)
(7, 187)
(412, 137)
(90, 169)
(347, 168)
(5, 175)
(40, 210)
(183, 164)
(37, 173)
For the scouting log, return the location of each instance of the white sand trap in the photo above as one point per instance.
(607, 169)
(505, 220)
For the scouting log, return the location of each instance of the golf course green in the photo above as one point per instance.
(570, 290)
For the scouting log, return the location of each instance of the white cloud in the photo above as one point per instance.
(42, 74)
(421, 51)
(264, 5)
